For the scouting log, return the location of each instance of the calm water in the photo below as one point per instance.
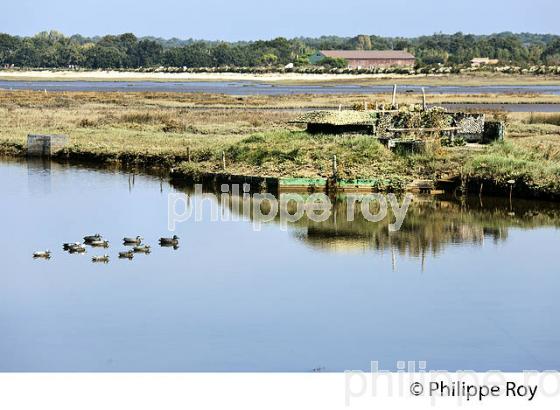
(256, 88)
(504, 107)
(466, 285)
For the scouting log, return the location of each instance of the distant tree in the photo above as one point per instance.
(105, 57)
(269, 59)
(401, 44)
(302, 60)
(432, 57)
(334, 62)
(173, 57)
(381, 43)
(9, 46)
(53, 49)
(27, 54)
(551, 54)
(363, 42)
(146, 53)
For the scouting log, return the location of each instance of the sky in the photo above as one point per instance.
(261, 19)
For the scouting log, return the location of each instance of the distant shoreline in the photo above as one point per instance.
(282, 78)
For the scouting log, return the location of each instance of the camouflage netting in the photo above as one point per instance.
(384, 122)
(436, 117)
(471, 126)
(346, 117)
(470, 123)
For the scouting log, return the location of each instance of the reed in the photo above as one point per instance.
(552, 118)
(171, 130)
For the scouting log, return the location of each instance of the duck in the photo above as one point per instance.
(169, 241)
(67, 246)
(77, 248)
(126, 255)
(142, 249)
(92, 238)
(42, 254)
(103, 259)
(100, 243)
(133, 241)
(169, 245)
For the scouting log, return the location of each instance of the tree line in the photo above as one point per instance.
(55, 50)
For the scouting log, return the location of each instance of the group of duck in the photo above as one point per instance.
(97, 241)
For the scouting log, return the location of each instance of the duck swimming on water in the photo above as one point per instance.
(100, 259)
(76, 248)
(92, 238)
(174, 241)
(67, 246)
(142, 249)
(126, 255)
(99, 243)
(133, 241)
(42, 254)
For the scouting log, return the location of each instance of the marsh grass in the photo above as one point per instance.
(552, 118)
(165, 129)
(114, 126)
(295, 153)
(536, 167)
(159, 100)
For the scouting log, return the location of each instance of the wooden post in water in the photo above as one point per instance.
(424, 105)
(394, 102)
(334, 167)
(511, 183)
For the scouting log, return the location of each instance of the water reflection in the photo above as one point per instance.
(39, 179)
(317, 295)
(432, 223)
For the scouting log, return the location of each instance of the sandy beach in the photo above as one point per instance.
(278, 78)
(186, 76)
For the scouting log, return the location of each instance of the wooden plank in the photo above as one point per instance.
(422, 129)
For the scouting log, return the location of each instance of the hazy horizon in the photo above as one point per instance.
(271, 38)
(246, 20)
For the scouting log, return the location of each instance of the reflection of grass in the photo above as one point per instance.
(429, 226)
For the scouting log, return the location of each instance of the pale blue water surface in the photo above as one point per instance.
(461, 286)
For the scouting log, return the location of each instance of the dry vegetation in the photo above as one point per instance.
(168, 129)
(117, 125)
